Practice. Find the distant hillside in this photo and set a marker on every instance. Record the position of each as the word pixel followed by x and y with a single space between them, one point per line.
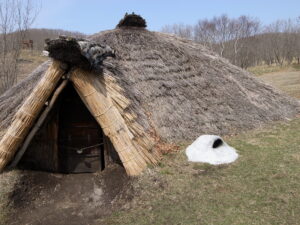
pixel 266 48
pixel 39 35
pixel 244 41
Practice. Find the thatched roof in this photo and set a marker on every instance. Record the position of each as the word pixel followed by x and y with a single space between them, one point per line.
pixel 13 98
pixel 186 90
pixel 172 89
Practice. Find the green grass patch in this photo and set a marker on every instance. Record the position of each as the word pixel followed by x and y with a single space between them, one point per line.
pixel 261 187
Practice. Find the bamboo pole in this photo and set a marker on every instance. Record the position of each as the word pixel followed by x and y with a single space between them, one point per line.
pixel 26 115
pixel 38 124
pixel 95 96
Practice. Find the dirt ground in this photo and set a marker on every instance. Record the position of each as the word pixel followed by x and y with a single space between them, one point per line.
pixel 68 199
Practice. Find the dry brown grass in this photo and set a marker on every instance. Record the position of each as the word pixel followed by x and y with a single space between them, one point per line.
pixel 287 81
pixel 265 69
pixel 30 59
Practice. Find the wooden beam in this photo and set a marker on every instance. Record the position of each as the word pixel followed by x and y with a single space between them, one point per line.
pixel 38 124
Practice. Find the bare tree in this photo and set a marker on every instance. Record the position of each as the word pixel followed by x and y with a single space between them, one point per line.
pixel 181 30
pixel 242 28
pixel 223 32
pixel 226 35
pixel 16 16
pixel 205 32
pixel 214 33
pixel 278 42
pixel 297 47
pixel 244 42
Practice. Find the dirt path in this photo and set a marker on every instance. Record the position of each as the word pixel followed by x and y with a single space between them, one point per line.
pixel 76 199
pixel 287 81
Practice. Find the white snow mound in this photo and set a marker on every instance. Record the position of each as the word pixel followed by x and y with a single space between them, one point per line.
pixel 211 149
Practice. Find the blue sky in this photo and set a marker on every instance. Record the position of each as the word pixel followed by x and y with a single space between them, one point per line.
pixel 91 16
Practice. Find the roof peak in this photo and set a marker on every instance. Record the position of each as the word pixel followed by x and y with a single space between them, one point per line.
pixel 132 20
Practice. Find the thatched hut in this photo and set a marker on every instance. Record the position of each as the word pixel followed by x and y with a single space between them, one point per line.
pixel 157 87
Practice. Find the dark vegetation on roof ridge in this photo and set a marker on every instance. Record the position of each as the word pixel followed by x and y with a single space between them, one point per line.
pixel 81 53
pixel 132 20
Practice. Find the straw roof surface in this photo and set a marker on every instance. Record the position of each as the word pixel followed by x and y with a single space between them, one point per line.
pixel 169 88
pixel 13 98
pixel 185 90
pixel 177 87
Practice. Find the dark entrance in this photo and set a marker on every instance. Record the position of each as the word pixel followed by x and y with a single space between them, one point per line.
pixel 70 140
pixel 80 138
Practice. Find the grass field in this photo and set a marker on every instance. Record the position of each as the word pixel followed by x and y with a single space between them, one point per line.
pixel 286 78
pixel 266 69
pixel 287 81
pixel 261 187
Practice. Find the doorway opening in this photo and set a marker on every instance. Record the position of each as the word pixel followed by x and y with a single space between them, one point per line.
pixel 70 140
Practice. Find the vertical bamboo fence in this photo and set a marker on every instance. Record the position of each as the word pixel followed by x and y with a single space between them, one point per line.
pixel 27 114
pixel 95 96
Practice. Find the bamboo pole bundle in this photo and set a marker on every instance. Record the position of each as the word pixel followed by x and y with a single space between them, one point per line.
pixel 27 114
pixel 141 139
pixel 94 94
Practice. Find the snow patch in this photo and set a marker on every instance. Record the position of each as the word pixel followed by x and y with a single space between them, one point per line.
pixel 211 149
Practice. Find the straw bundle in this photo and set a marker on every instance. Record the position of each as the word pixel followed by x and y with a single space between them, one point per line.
pixel 27 114
pixel 94 94
pixel 142 139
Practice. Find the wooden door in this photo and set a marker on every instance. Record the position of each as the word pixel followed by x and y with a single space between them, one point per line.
pixel 80 137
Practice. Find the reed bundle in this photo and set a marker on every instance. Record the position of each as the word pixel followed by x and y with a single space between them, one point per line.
pixel 96 97
pixel 28 113
pixel 142 139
